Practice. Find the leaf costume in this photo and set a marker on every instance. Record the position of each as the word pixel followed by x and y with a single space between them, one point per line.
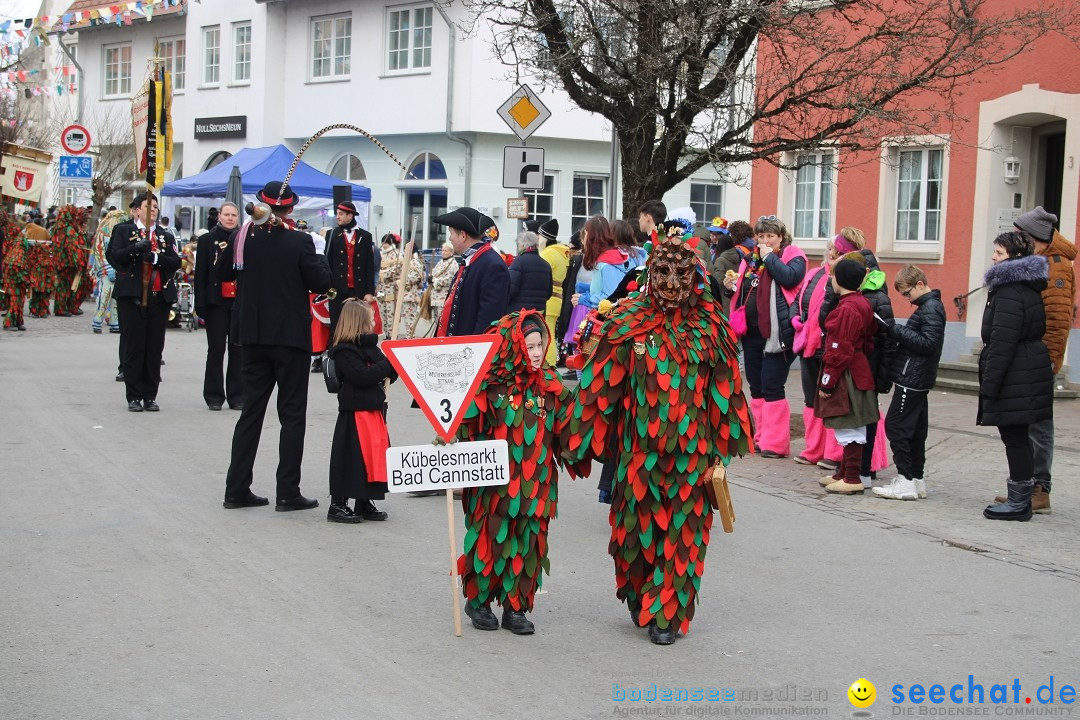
pixel 506 525
pixel 665 378
pixel 68 237
pixel 41 260
pixel 16 271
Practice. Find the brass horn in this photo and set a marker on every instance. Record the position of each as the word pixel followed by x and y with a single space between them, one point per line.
pixel 259 213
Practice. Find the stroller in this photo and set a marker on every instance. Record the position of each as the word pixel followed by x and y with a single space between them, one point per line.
pixel 182 313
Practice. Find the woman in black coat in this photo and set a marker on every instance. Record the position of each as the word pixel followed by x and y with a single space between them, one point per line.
pixel 530 276
pixel 358 470
pixel 1016 378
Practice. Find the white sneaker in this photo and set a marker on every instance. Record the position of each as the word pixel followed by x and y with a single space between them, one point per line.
pixel 920 487
pixel 901 488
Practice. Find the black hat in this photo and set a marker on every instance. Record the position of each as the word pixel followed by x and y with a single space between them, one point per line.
pixel 533 225
pixel 466 219
pixel 849 273
pixel 270 192
pixel 550 229
pixel 488 229
pixel 346 206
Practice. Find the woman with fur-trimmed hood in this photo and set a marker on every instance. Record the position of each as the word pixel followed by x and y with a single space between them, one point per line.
pixel 1016 379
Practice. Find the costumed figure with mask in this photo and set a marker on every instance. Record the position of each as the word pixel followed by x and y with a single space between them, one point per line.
pixel 665 377
pixel 520 400
pixel 69 238
pixel 16 272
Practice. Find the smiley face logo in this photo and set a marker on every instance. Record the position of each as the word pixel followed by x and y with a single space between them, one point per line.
pixel 862 693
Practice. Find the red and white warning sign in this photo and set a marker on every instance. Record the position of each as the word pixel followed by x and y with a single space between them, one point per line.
pixel 75 139
pixel 442 374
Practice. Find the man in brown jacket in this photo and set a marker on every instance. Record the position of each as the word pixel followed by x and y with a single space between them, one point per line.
pixel 1059 301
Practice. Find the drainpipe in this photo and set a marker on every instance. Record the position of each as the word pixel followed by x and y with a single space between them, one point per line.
pixel 450 107
pixel 78 68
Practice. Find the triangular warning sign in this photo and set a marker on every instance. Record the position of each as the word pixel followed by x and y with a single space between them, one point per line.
pixel 442 374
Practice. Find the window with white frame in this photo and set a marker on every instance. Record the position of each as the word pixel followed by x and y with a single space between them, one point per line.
pixel 331 47
pixel 706 200
pixel 242 52
pixel 117 73
pixel 211 55
pixel 174 53
pixel 586 200
pixel 919 191
pixel 542 202
pixel 814 199
pixel 349 168
pixel 408 38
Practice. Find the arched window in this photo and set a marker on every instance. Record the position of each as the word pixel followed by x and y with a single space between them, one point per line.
pixel 424 198
pixel 349 168
pixel 216 159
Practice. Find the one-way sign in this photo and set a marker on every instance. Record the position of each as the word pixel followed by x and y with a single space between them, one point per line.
pixel 76 171
pixel 523 167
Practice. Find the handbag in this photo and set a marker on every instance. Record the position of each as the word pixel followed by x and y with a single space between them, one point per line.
pixel 737 321
pixel 716 489
pixel 837 404
pixel 329 374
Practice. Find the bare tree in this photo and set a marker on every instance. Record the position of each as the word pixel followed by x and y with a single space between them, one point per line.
pixel 688 83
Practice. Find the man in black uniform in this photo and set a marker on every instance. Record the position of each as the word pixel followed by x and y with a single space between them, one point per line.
pixel 480 292
pixel 145 258
pixel 275 268
pixel 213 303
pixel 353 265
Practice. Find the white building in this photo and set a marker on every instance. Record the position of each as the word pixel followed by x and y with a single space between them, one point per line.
pixel 284 69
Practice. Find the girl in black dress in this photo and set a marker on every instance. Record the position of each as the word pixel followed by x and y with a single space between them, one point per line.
pixel 358 455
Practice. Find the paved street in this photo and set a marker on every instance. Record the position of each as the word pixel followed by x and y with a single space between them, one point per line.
pixel 129 592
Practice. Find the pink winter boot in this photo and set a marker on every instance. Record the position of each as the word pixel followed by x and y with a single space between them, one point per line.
pixel 814 435
pixel 757 409
pixel 776 430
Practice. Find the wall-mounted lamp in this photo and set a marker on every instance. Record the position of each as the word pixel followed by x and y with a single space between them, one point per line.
pixel 1012 170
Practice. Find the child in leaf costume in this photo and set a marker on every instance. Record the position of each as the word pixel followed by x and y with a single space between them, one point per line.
pixel 665 377
pixel 523 402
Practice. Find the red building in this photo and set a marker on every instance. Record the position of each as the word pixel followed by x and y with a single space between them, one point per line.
pixel 939 200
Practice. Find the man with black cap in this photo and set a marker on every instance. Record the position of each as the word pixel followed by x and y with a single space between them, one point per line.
pixel 275 268
pixel 145 258
pixel 354 264
pixel 481 290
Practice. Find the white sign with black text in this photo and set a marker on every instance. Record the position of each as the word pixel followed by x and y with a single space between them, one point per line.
pixel 441 467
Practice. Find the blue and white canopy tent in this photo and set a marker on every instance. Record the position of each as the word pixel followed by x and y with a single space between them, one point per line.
pixel 259 166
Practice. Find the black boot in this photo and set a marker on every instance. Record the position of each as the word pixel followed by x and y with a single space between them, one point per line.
pixel 367 510
pixel 635 611
pixel 516 622
pixel 481 616
pixel 1017 505
pixel 661 637
pixel 316 365
pixel 339 512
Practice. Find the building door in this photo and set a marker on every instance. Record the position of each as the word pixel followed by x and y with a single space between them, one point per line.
pixel 1053 165
pixel 425 198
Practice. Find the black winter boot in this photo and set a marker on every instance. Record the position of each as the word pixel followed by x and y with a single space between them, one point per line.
pixel 339 511
pixel 1017 505
pixel 516 622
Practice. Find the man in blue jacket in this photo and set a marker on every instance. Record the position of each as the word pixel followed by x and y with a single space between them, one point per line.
pixel 481 291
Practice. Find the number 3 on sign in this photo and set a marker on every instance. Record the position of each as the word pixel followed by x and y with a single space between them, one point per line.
pixel 447 415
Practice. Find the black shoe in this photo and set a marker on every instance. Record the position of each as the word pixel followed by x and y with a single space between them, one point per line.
pixel 661 637
pixel 426 493
pixel 297 503
pixel 482 617
pixel 635 612
pixel 97 331
pixel 340 513
pixel 236 406
pixel 368 511
pixel 22 327
pixel 569 375
pixel 78 311
pixel 1016 507
pixel 151 406
pixel 114 331
pixel 316 365
pixel 516 622
pixel 249 500
pixel 120 376
pixel 216 407
pixel 135 406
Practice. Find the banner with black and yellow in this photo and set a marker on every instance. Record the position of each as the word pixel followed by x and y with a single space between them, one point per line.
pixel 152 124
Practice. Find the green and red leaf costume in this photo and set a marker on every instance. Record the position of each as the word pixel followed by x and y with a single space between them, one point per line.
pixel 666 381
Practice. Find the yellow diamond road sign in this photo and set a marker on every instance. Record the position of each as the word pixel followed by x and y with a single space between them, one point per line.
pixel 524 112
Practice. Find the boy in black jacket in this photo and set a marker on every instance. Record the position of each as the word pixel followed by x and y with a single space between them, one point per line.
pixel 913 371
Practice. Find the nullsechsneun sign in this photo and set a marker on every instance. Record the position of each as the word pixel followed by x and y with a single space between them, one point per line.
pixel 215 128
